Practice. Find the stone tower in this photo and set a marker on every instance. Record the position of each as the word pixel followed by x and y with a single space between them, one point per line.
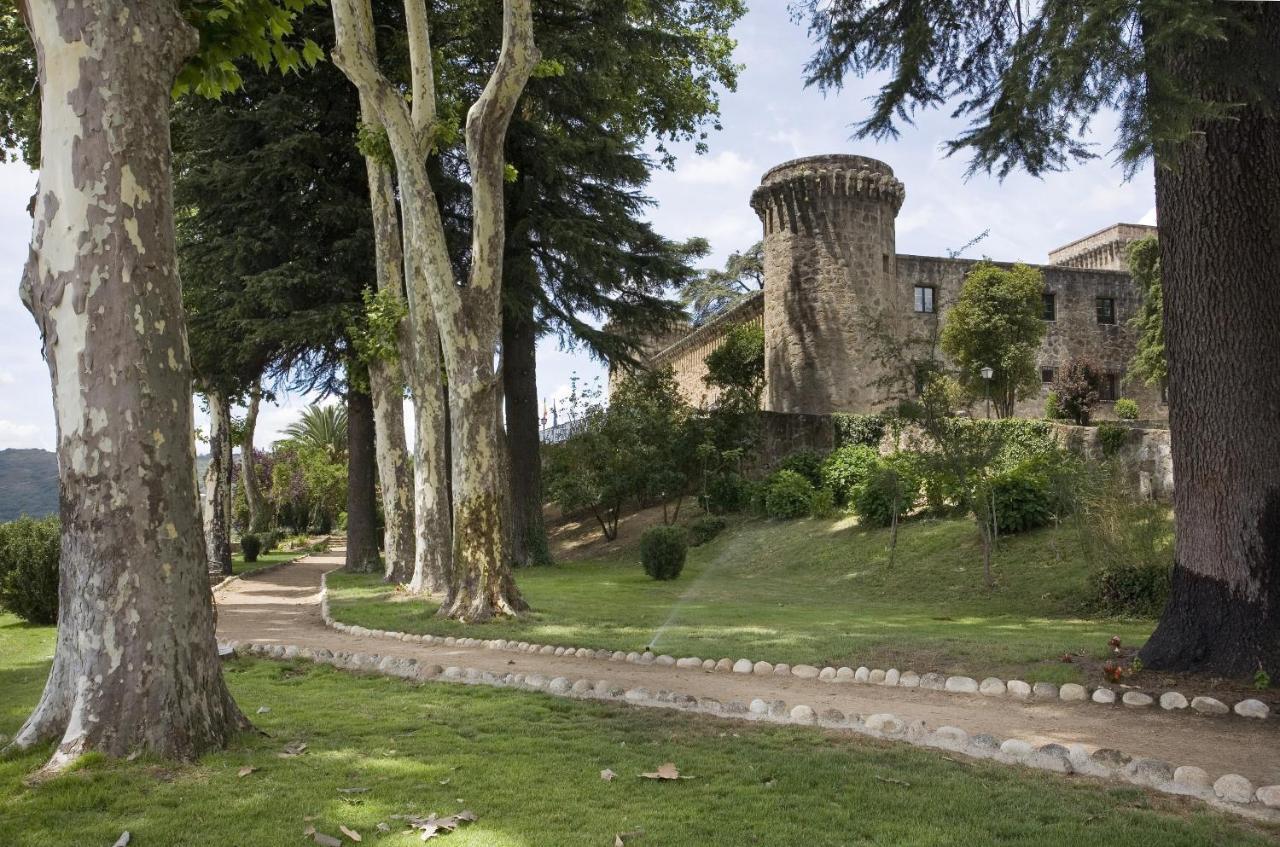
pixel 829 257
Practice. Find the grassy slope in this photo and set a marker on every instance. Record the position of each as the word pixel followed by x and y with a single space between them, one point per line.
pixel 529 766
pixel 814 591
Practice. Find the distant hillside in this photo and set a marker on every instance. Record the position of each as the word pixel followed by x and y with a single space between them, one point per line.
pixel 28 483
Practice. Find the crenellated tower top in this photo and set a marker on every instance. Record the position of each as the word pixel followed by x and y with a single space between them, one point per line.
pixel 790 191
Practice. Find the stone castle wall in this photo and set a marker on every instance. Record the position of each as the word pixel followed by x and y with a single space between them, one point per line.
pixel 835 288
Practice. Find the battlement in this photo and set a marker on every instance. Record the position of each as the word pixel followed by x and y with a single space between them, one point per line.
pixel 1105 249
pixel 787 191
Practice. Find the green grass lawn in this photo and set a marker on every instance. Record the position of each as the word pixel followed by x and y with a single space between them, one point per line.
pixel 240 566
pixel 528 765
pixel 811 591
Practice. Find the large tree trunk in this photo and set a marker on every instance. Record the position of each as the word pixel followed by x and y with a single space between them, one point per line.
pixel 468 317
pixel 258 518
pixel 520 387
pixel 386 379
pixel 362 518
pixel 136 666
pixel 1219 205
pixel 217 485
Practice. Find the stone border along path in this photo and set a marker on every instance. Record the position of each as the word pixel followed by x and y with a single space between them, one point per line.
pixel 1221 761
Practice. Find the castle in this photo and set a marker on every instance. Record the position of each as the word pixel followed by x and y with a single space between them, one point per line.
pixel 831 271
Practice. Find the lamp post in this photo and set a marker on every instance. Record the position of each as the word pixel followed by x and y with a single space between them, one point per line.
pixel 987 373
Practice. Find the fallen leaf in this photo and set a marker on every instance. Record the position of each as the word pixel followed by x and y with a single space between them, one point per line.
pixel 246 770
pixel 262 710
pixel 133 756
pixel 618 842
pixel 444 781
pixel 326 840
pixel 608 775
pixel 432 826
pixel 892 781
pixel 309 831
pixel 352 790
pixel 296 748
pixel 383 827
pixel 666 770
pixel 350 833
pixel 123 840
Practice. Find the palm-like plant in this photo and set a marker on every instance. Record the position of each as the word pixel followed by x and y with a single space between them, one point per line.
pixel 322 428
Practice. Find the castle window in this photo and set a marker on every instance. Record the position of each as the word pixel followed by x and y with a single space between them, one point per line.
pixel 924 298
pixel 1047 375
pixel 1050 307
pixel 1110 388
pixel 1106 310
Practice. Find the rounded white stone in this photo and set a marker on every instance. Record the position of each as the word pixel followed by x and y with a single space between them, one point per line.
pixel 884 722
pixel 1104 695
pixel 1072 692
pixel 1269 796
pixel 962 685
pixel 637 695
pixel 618 656
pixel 758 707
pixel 1044 691
pixel 876 677
pixel 892 676
pixel 910 679
pixel 1018 689
pixel 992 687
pixel 688 662
pixel 665 661
pixel 724 665
pixel 762 668
pixel 1192 780
pixel 1136 699
pixel 827 674
pixel 647 657
pixel 844 674
pixel 1209 706
pixel 743 666
pixel 782 669
pixel 803 714
pixel 804 671
pixel 949 737
pixel 708 664
pixel 1233 788
pixel 1252 709
pixel 862 674
pixel 1172 700
pixel 1016 748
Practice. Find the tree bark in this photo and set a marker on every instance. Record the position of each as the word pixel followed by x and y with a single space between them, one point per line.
pixel 135 666
pixel 1219 205
pixel 258 518
pixel 362 518
pixel 468 317
pixel 387 380
pixel 217 485
pixel 520 386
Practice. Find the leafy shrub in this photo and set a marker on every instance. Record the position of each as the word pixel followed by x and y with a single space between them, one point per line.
pixel 808 463
pixel 1023 498
pixel 251 545
pixel 823 504
pixel 662 551
pixel 704 529
pixel 865 430
pixel 29 552
pixel 887 490
pixel 846 468
pixel 726 493
pixel 1130 589
pixel 790 495
pixel 1052 408
pixel 1078 387
pixel 270 541
pixel 1126 409
pixel 1111 437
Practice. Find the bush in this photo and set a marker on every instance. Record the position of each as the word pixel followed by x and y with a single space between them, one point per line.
pixel 29 551
pixel 1052 408
pixel 251 546
pixel 790 495
pixel 1023 498
pixel 270 541
pixel 887 486
pixel 727 492
pixel 808 463
pixel 1126 409
pixel 1111 437
pixel 823 504
pixel 1130 589
pixel 662 551
pixel 1078 387
pixel 864 430
pixel 704 529
pixel 846 468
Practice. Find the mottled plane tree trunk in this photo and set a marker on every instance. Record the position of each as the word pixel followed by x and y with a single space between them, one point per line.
pixel 1219 205
pixel 258 517
pixel 396 474
pixel 217 485
pixel 468 316
pixel 362 537
pixel 135 665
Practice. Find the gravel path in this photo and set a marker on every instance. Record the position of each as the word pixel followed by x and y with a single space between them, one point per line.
pixel 283 607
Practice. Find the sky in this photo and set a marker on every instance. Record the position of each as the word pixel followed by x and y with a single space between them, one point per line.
pixel 771 118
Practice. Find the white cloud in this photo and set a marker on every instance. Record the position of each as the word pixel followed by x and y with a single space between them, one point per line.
pixel 19 435
pixel 727 168
pixel 6 378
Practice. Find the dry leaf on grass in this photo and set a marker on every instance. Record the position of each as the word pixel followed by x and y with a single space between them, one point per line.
pixel 350 833
pixel 666 770
pixel 620 839
pixel 309 831
pixel 326 840
pixel 123 840
pixel 383 828
pixel 296 748
pixel 357 790
pixel 608 775
pixel 262 710
pixel 246 770
pixel 432 826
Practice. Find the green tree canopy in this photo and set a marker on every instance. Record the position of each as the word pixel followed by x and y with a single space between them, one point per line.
pixel 1149 364
pixel 996 323
pixel 715 291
